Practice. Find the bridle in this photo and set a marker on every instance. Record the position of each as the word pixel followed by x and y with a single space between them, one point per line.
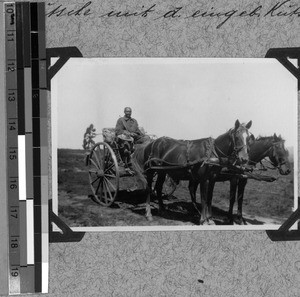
pixel 266 154
pixel 279 164
pixel 236 148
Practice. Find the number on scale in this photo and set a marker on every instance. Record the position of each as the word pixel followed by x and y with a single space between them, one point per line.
pixel 14 213
pixel 12 125
pixel 13 184
pixel 14 244
pixel 9 8
pixel 11 96
pixel 11 66
pixel 13 155
pixel 10 36
pixel 15 272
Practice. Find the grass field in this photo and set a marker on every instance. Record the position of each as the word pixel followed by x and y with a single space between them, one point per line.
pixel 263 202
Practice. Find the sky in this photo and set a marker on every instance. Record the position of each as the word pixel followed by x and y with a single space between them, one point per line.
pixel 183 98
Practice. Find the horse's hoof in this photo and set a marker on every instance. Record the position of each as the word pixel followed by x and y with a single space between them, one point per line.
pixel 240 221
pixel 204 222
pixel 149 218
pixel 244 222
pixel 210 222
pixel 207 222
pixel 228 221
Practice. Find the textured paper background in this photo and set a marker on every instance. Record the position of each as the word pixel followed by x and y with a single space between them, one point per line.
pixel 171 263
pixel 178 36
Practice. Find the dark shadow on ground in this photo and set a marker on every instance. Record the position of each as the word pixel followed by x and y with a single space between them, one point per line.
pixel 175 209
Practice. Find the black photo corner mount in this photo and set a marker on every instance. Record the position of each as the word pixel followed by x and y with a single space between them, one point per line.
pixel 283 55
pixel 67 235
pixel 63 54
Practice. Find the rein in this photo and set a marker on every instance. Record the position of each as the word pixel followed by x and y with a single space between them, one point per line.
pixel 169 163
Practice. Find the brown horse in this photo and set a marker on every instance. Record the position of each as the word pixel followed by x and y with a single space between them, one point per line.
pixel 197 161
pixel 259 149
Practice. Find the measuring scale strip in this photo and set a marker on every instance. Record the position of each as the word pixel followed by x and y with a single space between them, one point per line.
pixel 44 152
pixel 27 175
pixel 12 148
pixel 25 138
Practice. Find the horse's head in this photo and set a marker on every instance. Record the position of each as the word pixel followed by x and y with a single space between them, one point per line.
pixel 233 144
pixel 240 141
pixel 279 155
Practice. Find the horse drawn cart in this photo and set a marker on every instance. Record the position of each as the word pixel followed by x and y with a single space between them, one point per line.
pixel 203 161
pixel 106 170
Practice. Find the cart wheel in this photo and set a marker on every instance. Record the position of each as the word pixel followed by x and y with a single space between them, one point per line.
pixel 169 186
pixel 103 174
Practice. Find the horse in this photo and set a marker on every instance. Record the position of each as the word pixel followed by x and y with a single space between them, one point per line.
pixel 195 160
pixel 259 149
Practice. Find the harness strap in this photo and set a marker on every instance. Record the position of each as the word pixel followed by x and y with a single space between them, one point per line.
pixel 235 151
pixel 125 124
pixel 170 163
pixel 225 155
pixel 274 166
pixel 210 153
pixel 266 152
pixel 212 148
pixel 189 164
pixel 188 149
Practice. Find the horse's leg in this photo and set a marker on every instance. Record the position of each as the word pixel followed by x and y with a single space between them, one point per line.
pixel 193 185
pixel 148 207
pixel 158 186
pixel 233 188
pixel 144 183
pixel 203 191
pixel 149 179
pixel 210 191
pixel 148 191
pixel 241 188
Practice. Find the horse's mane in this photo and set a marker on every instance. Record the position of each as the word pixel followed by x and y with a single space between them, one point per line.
pixel 270 138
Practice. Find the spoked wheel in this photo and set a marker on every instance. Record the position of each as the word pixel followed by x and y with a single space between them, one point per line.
pixel 169 185
pixel 103 174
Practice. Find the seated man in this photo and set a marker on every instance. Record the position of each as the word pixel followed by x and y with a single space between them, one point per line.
pixel 128 133
pixel 128 127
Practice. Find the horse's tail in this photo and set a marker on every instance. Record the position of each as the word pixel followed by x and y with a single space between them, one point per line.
pixel 139 174
pixel 138 162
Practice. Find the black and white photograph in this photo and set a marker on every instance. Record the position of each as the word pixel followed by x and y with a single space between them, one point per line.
pixel 174 144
